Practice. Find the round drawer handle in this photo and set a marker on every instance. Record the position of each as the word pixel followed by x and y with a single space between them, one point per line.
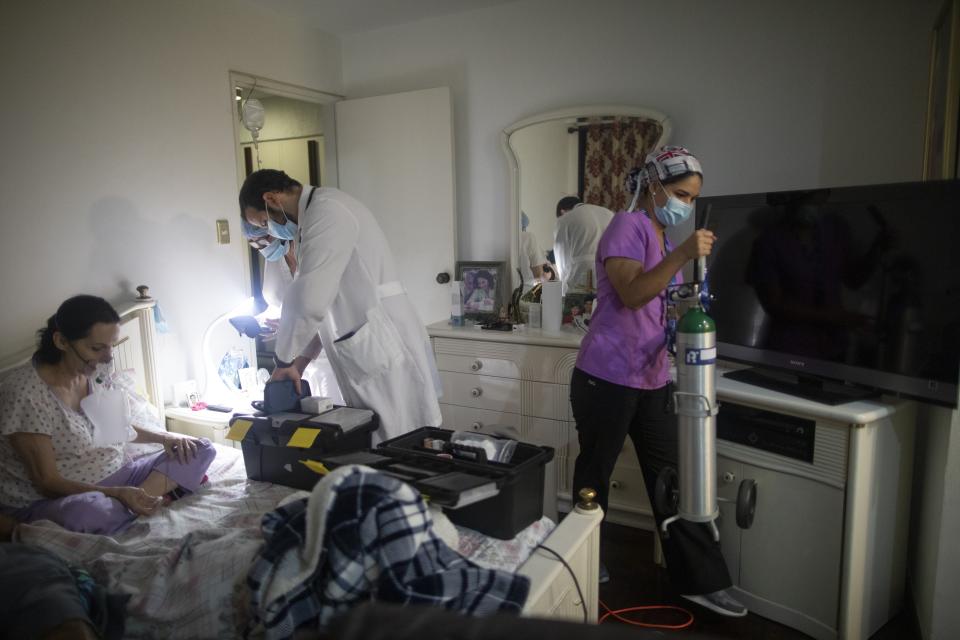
pixel 476 426
pixel 476 392
pixel 729 477
pixel 615 484
pixel 477 365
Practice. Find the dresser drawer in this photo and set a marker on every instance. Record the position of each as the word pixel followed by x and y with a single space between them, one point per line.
pixel 552 433
pixel 481 392
pixel 627 490
pixel 508 360
pixel 460 418
pixel 545 400
pixel 478 364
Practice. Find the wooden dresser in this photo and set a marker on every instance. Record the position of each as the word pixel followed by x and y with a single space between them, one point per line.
pixel 518 383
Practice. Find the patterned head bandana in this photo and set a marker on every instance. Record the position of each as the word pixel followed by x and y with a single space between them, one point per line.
pixel 666 163
pixel 661 164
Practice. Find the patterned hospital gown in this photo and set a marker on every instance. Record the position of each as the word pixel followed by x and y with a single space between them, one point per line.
pixel 28 405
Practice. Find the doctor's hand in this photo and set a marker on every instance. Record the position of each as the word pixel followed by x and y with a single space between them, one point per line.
pixel 180 448
pixel 136 499
pixel 288 373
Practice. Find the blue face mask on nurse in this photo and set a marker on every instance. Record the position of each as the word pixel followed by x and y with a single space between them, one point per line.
pixel 674 212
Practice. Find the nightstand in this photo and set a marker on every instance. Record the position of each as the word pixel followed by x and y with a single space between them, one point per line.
pixel 212 425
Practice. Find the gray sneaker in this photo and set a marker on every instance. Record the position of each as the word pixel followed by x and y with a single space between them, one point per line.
pixel 720 602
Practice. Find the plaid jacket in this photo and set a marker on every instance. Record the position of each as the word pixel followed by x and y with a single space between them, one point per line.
pixel 363 536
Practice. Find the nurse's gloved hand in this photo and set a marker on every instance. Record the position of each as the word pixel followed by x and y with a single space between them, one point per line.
pixel 288 373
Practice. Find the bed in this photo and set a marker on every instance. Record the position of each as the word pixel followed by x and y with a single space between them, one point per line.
pixel 185 566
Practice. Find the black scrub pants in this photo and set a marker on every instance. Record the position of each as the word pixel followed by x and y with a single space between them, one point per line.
pixel 606 414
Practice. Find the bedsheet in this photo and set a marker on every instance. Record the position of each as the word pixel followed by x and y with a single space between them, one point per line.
pixel 185 567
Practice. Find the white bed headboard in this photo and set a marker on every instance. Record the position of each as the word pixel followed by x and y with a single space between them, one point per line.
pixel 136 350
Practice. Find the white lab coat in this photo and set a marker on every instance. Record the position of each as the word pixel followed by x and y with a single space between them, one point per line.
pixel 575 246
pixel 346 288
pixel 276 280
pixel 319 374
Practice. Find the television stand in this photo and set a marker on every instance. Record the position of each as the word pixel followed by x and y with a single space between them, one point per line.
pixel 808 387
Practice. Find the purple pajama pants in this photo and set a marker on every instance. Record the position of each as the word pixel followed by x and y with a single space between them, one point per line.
pixel 93 512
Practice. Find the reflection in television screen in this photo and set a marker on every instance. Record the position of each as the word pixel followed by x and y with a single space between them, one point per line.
pixel 855 284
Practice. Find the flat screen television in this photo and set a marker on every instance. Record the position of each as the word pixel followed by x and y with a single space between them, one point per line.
pixel 829 292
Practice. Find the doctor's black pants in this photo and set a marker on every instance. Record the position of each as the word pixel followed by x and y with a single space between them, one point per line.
pixel 606 413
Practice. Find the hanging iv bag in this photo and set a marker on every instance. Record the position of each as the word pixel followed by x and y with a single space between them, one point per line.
pixel 252 116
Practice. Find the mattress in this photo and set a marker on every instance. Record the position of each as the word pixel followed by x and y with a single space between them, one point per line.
pixel 184 567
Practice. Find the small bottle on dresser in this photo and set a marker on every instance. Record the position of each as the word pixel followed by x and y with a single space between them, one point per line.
pixel 456 303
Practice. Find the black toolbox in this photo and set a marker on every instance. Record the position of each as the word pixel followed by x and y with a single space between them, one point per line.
pixel 275 445
pixel 496 499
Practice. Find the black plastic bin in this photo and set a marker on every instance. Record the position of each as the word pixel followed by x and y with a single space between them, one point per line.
pixel 519 483
pixel 268 456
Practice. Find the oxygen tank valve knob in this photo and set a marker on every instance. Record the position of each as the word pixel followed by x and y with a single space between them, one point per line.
pixel 587 497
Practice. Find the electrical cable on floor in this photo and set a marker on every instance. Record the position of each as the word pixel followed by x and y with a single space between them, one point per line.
pixel 617 613
pixel 576 583
pixel 653 607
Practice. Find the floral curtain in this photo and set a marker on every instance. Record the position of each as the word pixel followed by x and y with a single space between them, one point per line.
pixel 609 149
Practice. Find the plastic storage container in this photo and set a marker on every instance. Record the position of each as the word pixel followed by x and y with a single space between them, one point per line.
pixel 274 445
pixel 496 499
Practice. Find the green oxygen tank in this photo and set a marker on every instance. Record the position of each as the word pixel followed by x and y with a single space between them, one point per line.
pixel 696 406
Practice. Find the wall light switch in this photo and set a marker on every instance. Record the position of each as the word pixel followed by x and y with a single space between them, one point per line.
pixel 223 232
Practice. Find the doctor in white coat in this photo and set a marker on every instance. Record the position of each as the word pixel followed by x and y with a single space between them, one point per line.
pixel 345 298
pixel 279 268
pixel 579 228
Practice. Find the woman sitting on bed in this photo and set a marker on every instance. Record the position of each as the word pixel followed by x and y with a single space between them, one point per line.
pixel 65 418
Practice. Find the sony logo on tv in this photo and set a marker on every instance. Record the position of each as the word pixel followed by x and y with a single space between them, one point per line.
pixel 798 363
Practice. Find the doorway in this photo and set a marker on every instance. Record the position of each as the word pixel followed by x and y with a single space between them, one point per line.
pixel 297 137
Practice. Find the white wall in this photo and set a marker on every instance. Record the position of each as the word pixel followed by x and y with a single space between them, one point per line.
pixel 119 153
pixel 934 552
pixel 769 95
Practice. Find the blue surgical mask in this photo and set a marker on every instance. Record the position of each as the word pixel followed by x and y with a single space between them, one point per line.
pixel 674 212
pixel 275 250
pixel 286 231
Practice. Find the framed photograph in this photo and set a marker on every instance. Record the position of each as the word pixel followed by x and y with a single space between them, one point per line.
pixel 485 289
pixel 578 305
pixel 943 101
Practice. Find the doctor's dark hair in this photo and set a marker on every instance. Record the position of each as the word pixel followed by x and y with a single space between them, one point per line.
pixel 567 203
pixel 260 182
pixel 74 319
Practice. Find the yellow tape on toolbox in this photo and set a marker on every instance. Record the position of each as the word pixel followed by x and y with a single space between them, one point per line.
pixel 303 438
pixel 238 430
pixel 313 465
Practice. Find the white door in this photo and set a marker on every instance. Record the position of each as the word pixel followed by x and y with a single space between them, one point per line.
pixel 291 156
pixel 395 155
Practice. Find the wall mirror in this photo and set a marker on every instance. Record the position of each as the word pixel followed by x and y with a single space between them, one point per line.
pixel 582 151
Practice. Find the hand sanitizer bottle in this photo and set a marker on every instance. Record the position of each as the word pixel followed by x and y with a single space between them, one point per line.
pixel 456 303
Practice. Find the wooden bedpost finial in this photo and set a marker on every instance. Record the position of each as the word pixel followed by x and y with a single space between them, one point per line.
pixel 144 292
pixel 587 497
